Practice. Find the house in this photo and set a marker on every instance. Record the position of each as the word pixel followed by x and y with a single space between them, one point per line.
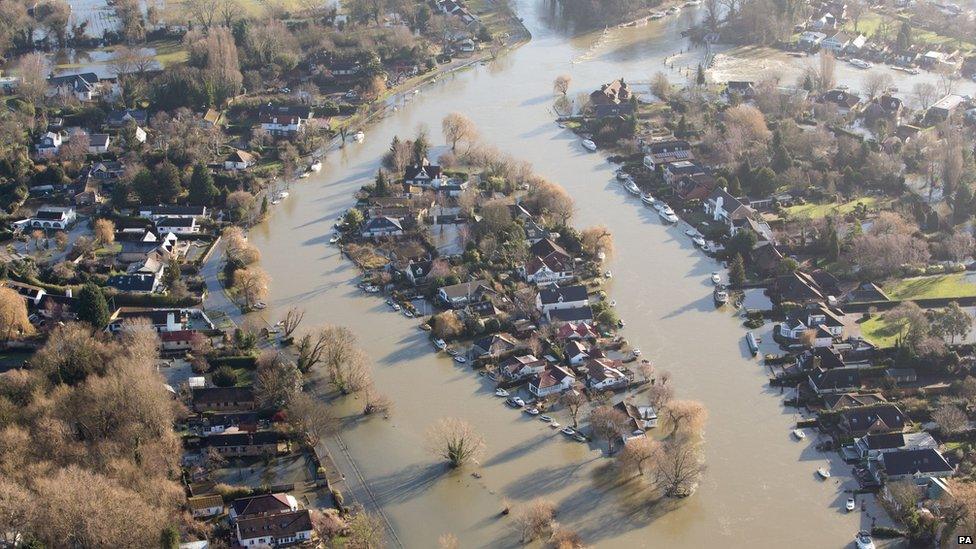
pixel 106 170
pixel 837 380
pixel 836 43
pixel 135 283
pixel 672 172
pixel 222 399
pixel 579 330
pixel 566 297
pixel 534 232
pixel 382 226
pixel 179 340
pixel 758 227
pixel 766 257
pixel 98 143
pixel 518 367
pixel 575 352
pixel 641 418
pixel 802 287
pixel 603 373
pixel 886 107
pixel 494 345
pixel 168 210
pixel 458 295
pixel 810 40
pixel 843 99
pixel 48 145
pixel 33 295
pixel 162 320
pixel 239 160
pixel 281 120
pixel 261 443
pixel 177 225
pixel 119 118
pixel 901 375
pixel 658 153
pixel 743 89
pixel 211 118
pixel 205 506
pixel 416 271
pixel 613 99
pixel 873 445
pixel 942 109
pixel 582 314
pixel 914 464
pixel 137 251
pixel 724 207
pixel 863 420
pixel 53 217
pixel 819 358
pixel 552 381
pixel 548 263
pixel 345 67
pixel 827 321
pixel 275 530
pixel 84 87
pixel 423 175
pixel 262 505
pixel 852 400
pixel 867 292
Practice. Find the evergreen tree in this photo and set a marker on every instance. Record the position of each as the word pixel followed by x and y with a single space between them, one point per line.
pixel 808 83
pixel 764 182
pixel 92 307
pixel 682 129
pixel 420 147
pixel 781 158
pixel 264 205
pixel 382 188
pixel 168 182
pixel 201 190
pixel 700 77
pixel 735 188
pixel 962 204
pixel 145 186
pixel 169 538
pixel 737 271
pixel 904 39
pixel 831 243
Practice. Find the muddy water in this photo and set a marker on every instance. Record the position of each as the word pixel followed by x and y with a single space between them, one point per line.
pixel 760 489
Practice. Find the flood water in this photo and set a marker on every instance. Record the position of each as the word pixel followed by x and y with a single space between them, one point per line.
pixel 760 489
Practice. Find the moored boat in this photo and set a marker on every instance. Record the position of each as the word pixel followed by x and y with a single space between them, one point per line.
pixel 588 145
pixel 359 136
pixel 720 295
pixel 716 278
pixel 501 393
pixel 824 473
pixel 668 216
pixel 753 344
pixel 799 434
pixel 632 188
pixel 647 199
pixel 316 166
pixel 863 540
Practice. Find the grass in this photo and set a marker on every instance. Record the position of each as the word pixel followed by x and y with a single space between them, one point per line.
pixel 168 53
pixel 815 211
pixel 879 331
pixel 175 12
pixel 938 286
pixel 869 23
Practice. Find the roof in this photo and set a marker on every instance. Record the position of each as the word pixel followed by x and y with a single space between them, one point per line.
pixel 729 202
pixel 573 314
pixel 119 117
pixel 841 97
pixel 169 209
pixel 882 417
pixel 199 503
pixel 496 343
pixel 132 282
pixel 259 438
pixel 550 377
pixel 463 289
pixel 823 358
pixel 615 92
pixel 240 156
pixel 910 462
pixel 884 441
pixel 175 222
pixel 601 369
pixel 668 146
pixel 98 140
pixel 848 377
pixel 277 526
pixel 261 505
pixel 547 246
pixel 177 335
pixel 208 395
pixel 868 291
pixel 566 294
pixel 284 113
pixel 851 400
pixel 422 171
pixel 383 223
pixel 948 102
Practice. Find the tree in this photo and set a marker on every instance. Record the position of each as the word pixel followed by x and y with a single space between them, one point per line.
pixel 561 84
pixel 381 187
pixel 240 204
pixel 238 250
pixel 700 76
pixel 421 145
pixel 574 401
pixel 679 467
pixel 347 371
pixel 737 271
pixel 457 127
pixel 904 39
pixel 535 518
pixel 33 69
pixel 291 322
pixel 17 510
pixel 104 232
pixel 168 182
pixel 913 324
pixel 638 453
pixel 353 218
pixel 609 424
pixel 950 419
pixel 825 76
pixel 14 322
pixel 455 441
pixel 92 307
pixel 596 239
pixel 952 321
pixel 552 200
pixel 925 94
pixel 366 531
pixel 686 417
pixel 311 416
pixel 876 83
pixel 169 538
pixel 201 189
pixel 276 380
pixel 661 86
pixel 252 285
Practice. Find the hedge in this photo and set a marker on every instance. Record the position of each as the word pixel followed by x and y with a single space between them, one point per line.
pixel 239 361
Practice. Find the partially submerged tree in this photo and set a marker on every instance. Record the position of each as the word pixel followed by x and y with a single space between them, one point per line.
pixel 457 127
pixel 455 441
pixel 609 424
pixel 535 519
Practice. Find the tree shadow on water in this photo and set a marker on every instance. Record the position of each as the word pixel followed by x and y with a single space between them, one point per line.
pixel 409 482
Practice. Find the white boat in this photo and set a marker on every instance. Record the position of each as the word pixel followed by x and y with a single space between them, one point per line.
pixel 669 217
pixel 316 166
pixel 699 241
pixel 716 278
pixel 546 419
pixel 518 402
pixel 721 296
pixel 863 540
pixel 608 274
pixel 632 188
pixel 260 305
pixel 657 15
pixel 613 303
pixel 658 205
pixel 637 352
pixel 691 232
pixel 824 473
pixel 666 210
pixel 359 136
pixel 860 63
pixel 460 359
pixel 275 202
pixel 396 307
pixel 588 145
pixel 333 240
pixel 283 195
pixel 440 344
pixel 799 434
pixel 304 175
pixel 622 175
pixel 553 424
pixel 501 393
pixel 850 505
pixel 532 411
pixel 647 199
pixel 674 9
pixel 601 255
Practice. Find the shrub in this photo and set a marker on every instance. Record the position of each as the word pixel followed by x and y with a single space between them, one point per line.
pixel 935 269
pixel 886 532
pixel 225 376
pixel 337 497
pixel 230 492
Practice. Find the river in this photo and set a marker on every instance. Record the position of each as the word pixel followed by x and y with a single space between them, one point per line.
pixel 760 489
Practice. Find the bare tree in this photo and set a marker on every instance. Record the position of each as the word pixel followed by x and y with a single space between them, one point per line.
pixel 687 417
pixel 609 424
pixel 252 284
pixel 14 322
pixel 276 380
pixel 366 531
pixel 311 416
pixel 924 93
pixel 564 538
pixel 574 401
pixel 596 239
pixel 33 69
pixel 825 75
pixel 457 127
pixel 951 419
pixel 875 83
pixel 448 540
pixel 561 84
pixel 104 232
pixel 679 467
pixel 348 374
pixel 535 518
pixel 17 512
pixel 238 249
pixel 638 452
pixel 293 319
pixel 455 441
pixel 551 200
pixel 376 402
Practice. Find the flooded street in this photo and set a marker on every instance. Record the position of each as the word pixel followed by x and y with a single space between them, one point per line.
pixel 760 489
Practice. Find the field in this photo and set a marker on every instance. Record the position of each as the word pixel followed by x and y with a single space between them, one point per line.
pixel 878 331
pixel 939 286
pixel 868 25
pixel 176 11
pixel 815 211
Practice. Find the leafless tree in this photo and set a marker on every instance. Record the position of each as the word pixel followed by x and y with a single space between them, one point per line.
pixel 535 518
pixel 457 127
pixel 951 419
pixel 680 466
pixel 33 69
pixel 609 424
pixel 14 322
pixel 825 75
pixel 276 379
pixel 875 83
pixel 574 401
pixel 455 441
pixel 638 453
pixel 561 84
pixel 104 232
pixel 924 93
pixel 311 416
pixel 596 239
pixel 252 284
pixel 686 417
pixel 366 531
pixel 17 510
pixel 291 322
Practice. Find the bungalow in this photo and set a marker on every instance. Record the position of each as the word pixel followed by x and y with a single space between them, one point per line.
pixel 724 207
pixel 53 217
pixel 843 99
pixel 33 295
pixel 672 172
pixel 119 118
pixel 658 153
pixel 810 40
pixel 553 380
pixel 222 399
pixel 261 443
pixel 518 367
pixel 177 225
pixel 84 87
pixel 836 43
pixel 459 295
pixel 494 345
pixel 802 287
pixel 382 226
pixel 98 143
pixel 874 445
pixel 826 320
pixel 48 145
pixel 567 331
pixel 852 400
pixel 555 297
pixel 582 314
pixel 913 464
pixel 134 251
pixel 281 120
pixel 603 373
pixel 575 352
pixel 640 418
pixel 239 160
pixel 179 340
pixel 205 506
pixel 275 530
pixel 742 88
pixel 262 505
pixel 837 380
pixel 942 109
pixel 423 175
pixel 106 170
pixel 135 283
pixel 882 418
pixel 218 422
pixel 548 263
pixel 162 320
pixel 613 99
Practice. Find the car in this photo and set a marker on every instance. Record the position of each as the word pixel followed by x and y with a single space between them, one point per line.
pixel 851 504
pixel 531 411
pixel 568 431
pixel 460 359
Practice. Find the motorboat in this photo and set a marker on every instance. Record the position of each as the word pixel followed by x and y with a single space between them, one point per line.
pixel 673 10
pixel 546 419
pixel 260 305
pixel 501 393
pixel 863 540
pixel 283 195
pixel 860 63
pixel 531 411
pixel 518 402
pixel 613 303
pixel 460 359
pixel 699 241
pixel 452 351
pixel 754 349
pixel 608 274
pixel 396 306
pixel 407 313
pixel 716 278
pixel 554 425
pixel 637 351
pixel 824 473
pixel 667 210
pixel 647 199
pixel 691 232
pixel 588 145
pixel 632 188
pixel 359 136
pixel 601 255
pixel 621 323
pixel 799 434
pixel 561 125
pixel 850 505
pixel 316 166
pixel 440 344
pixel 579 438
pixel 622 175
pixel 657 15
pixel 721 296
pixel 669 217
pixel 275 202
pixel 568 431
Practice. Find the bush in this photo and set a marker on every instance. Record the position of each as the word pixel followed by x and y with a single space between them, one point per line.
pixel 886 532
pixel 935 269
pixel 230 492
pixel 912 270
pixel 225 376
pixel 240 361
pixel 337 496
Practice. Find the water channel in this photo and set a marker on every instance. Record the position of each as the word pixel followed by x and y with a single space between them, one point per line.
pixel 761 488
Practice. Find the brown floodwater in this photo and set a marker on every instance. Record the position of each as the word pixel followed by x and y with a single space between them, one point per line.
pixel 760 489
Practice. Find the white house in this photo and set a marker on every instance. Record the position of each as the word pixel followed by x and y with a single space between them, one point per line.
pixel 167 210
pixel 239 160
pixel 872 446
pixel 726 208
pixel 205 506
pixel 518 367
pixel 837 42
pixel 284 121
pixel 553 380
pixel 98 143
pixel 811 40
pixel 177 225
pixel 382 226
pixel 603 373
pixel 274 530
pixel 53 217
pixel 84 87
pixel 423 175
pixel 48 145
pixel 568 297
pixel 459 295
pixel 820 318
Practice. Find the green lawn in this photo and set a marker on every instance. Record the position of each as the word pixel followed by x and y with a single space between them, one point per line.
pixel 878 331
pixel 814 211
pixel 948 285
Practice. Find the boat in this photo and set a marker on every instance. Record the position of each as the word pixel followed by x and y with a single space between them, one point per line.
pixel 621 323
pixel 622 175
pixel 669 217
pixel 699 241
pixel 647 199
pixel 613 303
pixel 304 175
pixel 561 125
pixel 637 351
pixel 554 425
pixel 275 202
pixel 260 305
pixel 850 505
pixel 666 210
pixel 579 438
pixel 657 15
pixel 608 274
pixel 673 10
pixel 440 344
pixel 359 136
pixel 501 393
pixel 632 188
pixel 588 145
pixel 396 307
pixel 720 295
pixel 799 434
pixel 863 540
pixel 691 232
pixel 860 63
pixel 753 345
pixel 547 419
pixel 316 166
pixel 451 351
pixel 283 195
pixel 568 431
pixel 531 411
pixel 716 278
pixel 460 359
pixel 824 473
pixel 407 313
pixel 518 402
